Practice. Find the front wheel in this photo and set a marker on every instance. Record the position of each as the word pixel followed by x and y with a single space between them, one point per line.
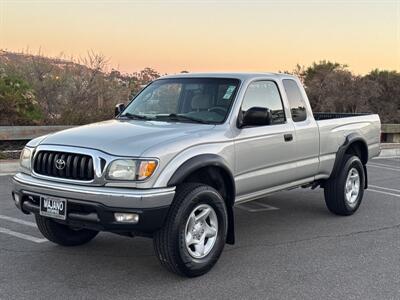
pixel 344 192
pixel 194 235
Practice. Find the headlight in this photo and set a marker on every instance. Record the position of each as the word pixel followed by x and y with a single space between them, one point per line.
pixel 129 169
pixel 25 159
pixel 122 169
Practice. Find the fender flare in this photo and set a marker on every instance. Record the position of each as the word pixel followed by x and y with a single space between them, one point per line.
pixel 198 162
pixel 210 160
pixel 350 139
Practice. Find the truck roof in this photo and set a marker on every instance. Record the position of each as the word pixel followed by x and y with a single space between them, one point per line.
pixel 238 75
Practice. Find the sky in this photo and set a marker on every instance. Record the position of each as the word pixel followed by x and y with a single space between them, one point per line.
pixel 200 36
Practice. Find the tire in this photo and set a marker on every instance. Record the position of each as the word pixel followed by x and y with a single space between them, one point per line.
pixel 342 199
pixel 170 243
pixel 62 234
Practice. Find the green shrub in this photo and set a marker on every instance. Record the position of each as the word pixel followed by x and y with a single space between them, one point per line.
pixel 17 102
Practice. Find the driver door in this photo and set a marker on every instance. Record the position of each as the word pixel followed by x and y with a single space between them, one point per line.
pixel 264 153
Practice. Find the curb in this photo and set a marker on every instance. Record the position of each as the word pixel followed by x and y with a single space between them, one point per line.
pixel 9 167
pixel 390 152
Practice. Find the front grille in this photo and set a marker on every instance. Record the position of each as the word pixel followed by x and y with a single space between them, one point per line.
pixel 64 165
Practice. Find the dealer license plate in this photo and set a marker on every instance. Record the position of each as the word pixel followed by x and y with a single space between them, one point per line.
pixel 53 207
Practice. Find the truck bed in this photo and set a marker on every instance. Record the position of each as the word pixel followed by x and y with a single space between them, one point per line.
pixel 333 129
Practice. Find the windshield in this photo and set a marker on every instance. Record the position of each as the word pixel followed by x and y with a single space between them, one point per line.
pixel 199 100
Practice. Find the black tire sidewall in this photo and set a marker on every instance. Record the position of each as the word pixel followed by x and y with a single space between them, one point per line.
pixel 201 196
pixel 62 234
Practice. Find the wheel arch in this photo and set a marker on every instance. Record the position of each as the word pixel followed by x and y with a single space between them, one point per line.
pixel 354 144
pixel 213 170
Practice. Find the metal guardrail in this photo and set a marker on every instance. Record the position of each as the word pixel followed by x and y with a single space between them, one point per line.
pixel 390 133
pixel 390 128
pixel 18 133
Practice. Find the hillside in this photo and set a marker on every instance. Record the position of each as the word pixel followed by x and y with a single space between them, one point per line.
pixel 35 89
pixel 39 90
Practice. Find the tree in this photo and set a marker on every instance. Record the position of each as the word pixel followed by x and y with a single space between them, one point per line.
pixel 140 79
pixel 332 88
pixel 387 103
pixel 93 93
pixel 17 102
pixel 318 82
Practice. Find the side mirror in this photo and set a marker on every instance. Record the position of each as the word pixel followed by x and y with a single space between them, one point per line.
pixel 118 109
pixel 256 116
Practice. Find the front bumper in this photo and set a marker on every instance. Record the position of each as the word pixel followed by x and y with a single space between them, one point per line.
pixel 93 207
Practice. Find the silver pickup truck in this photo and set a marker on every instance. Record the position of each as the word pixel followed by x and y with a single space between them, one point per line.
pixel 175 161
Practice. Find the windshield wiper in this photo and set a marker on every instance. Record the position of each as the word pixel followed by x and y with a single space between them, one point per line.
pixel 176 117
pixel 136 117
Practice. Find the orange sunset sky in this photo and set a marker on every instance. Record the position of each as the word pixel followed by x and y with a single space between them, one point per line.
pixel 171 36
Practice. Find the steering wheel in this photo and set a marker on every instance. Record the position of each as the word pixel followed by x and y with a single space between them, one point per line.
pixel 219 110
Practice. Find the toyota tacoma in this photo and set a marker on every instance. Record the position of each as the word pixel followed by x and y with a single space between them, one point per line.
pixel 176 160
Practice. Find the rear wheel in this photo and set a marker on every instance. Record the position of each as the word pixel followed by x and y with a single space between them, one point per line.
pixel 63 234
pixel 344 192
pixel 194 235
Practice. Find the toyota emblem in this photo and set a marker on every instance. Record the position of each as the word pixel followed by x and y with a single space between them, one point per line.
pixel 60 164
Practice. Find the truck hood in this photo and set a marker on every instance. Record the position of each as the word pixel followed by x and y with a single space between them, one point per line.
pixel 125 137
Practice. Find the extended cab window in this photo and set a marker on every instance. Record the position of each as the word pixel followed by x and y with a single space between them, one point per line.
pixel 296 101
pixel 264 94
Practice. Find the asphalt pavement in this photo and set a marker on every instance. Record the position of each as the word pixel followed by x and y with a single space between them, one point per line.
pixel 288 247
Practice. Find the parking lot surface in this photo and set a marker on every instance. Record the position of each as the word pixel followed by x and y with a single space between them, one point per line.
pixel 288 247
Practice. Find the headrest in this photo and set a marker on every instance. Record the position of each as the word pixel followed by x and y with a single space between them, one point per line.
pixel 201 101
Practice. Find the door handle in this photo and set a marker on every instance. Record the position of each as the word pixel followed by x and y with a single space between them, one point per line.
pixel 288 137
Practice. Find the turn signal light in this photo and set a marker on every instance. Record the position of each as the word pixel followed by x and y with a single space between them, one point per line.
pixel 146 169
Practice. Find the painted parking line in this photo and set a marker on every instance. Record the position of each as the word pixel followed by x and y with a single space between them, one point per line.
pixel 255 206
pixel 19 221
pixel 381 167
pixel 382 192
pixel 387 166
pixel 383 188
pixel 22 235
pixel 387 157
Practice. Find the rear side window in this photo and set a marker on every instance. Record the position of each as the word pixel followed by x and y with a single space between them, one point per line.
pixel 264 94
pixel 296 101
